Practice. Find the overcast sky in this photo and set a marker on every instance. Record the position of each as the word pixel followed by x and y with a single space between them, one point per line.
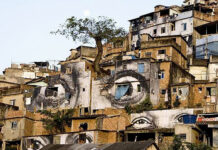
pixel 25 25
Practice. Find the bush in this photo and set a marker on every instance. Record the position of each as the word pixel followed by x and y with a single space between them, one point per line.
pixel 139 108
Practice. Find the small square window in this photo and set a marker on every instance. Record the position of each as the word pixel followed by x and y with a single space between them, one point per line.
pixel 148 54
pixel 184 26
pixel 94 111
pixel 174 90
pixel 200 90
pixel 163 51
pixel 84 89
pixel 141 67
pixel 13 125
pixel 86 110
pixel 139 88
pixel 12 102
pixel 155 31
pixel 124 67
pixel 161 75
pixel 163 30
pixel 163 91
pixel 182 136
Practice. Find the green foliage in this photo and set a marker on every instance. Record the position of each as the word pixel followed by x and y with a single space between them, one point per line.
pixel 160 107
pixel 90 28
pixel 56 122
pixel 145 105
pixel 99 30
pixel 179 145
pixel 191 146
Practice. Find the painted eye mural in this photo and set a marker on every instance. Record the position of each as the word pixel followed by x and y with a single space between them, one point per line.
pixel 125 87
pixel 79 138
pixel 37 143
pixel 142 123
pixel 179 118
pixel 62 90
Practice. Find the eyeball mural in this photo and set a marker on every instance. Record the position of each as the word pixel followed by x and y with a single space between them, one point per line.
pixel 142 123
pixel 36 143
pixel 79 138
pixel 62 90
pixel 125 87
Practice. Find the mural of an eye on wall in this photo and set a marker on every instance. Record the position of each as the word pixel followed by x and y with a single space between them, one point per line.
pixel 125 87
pixel 179 118
pixel 77 138
pixel 62 90
pixel 142 123
pixel 36 143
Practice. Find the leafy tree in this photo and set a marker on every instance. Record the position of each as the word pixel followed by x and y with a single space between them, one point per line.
pixel 179 145
pixel 57 121
pixel 145 105
pixel 100 30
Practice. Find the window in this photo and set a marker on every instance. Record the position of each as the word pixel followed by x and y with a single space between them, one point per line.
pixel 51 91
pixel 155 31
pixel 112 72
pixel 12 102
pixel 174 90
pixel 94 111
pixel 148 54
pixel 82 138
pixel 163 91
pixel 28 100
pixel 83 126
pixel 161 75
pixel 200 90
pixel 182 136
pixel 184 26
pixel 86 110
pixel 163 30
pixel 68 70
pixel 124 67
pixel 84 89
pixel 141 68
pixel 172 27
pixel 163 51
pixel 13 125
pixel 139 88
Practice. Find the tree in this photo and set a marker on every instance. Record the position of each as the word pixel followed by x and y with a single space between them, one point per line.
pixel 145 105
pixel 100 30
pixel 57 121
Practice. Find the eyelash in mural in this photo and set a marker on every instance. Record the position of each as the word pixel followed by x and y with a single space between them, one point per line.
pixel 126 84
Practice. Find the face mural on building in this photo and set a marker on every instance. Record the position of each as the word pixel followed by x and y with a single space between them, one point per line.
pixel 125 87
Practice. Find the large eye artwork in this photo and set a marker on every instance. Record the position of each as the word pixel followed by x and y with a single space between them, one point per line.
pixel 61 90
pixel 125 87
pixel 142 122
pixel 77 138
pixel 179 118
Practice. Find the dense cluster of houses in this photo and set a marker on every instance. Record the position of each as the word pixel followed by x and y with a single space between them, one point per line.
pixel 170 58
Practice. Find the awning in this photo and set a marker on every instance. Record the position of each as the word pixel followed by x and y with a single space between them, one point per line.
pixel 121 91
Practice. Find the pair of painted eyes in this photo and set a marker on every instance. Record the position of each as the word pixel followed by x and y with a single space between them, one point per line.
pixel 141 121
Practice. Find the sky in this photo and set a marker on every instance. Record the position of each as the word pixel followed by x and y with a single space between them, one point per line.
pixel 25 25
